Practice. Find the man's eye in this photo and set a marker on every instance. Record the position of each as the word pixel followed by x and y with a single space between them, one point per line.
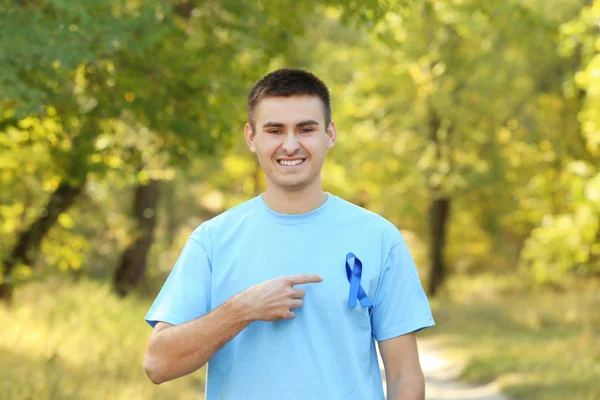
pixel 307 130
pixel 275 131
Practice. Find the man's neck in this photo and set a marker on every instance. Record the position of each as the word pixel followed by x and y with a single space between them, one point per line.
pixel 295 202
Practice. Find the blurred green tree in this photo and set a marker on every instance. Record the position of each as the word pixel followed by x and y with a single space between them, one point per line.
pixel 124 82
pixel 448 103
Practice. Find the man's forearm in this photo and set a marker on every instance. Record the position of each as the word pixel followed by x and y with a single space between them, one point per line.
pixel 407 388
pixel 180 350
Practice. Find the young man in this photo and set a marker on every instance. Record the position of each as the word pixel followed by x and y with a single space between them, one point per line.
pixel 285 295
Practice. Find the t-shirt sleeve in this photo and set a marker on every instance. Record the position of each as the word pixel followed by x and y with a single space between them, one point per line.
pixel 400 305
pixel 187 291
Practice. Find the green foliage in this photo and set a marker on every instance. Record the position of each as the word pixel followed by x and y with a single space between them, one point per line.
pixel 137 89
pixel 80 341
pixel 568 238
pixel 567 242
pixel 581 39
pixel 39 65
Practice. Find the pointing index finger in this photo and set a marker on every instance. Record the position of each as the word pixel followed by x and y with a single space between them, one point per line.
pixel 304 278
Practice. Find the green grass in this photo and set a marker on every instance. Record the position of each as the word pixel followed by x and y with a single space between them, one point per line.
pixel 62 340
pixel 537 344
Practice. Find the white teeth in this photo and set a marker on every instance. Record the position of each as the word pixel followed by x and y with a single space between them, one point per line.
pixel 290 163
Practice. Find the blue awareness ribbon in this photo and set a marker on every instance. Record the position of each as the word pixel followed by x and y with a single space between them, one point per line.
pixel 356 290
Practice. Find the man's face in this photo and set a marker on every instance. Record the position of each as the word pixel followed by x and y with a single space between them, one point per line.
pixel 290 140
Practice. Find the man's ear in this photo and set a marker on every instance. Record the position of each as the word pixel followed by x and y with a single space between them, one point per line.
pixel 249 135
pixel 331 135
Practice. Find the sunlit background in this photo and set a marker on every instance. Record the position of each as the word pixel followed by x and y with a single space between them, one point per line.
pixel 472 125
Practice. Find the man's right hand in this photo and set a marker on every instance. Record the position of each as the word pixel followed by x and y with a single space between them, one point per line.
pixel 273 300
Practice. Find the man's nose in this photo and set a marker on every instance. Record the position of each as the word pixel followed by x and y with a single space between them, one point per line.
pixel 290 143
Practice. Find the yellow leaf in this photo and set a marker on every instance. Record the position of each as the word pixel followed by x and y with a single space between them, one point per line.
pixel 545 145
pixel 143 177
pixel 66 221
pixel 113 161
pixel 503 135
pixel 75 264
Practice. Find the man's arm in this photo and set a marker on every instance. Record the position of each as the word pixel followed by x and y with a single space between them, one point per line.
pixel 403 374
pixel 177 350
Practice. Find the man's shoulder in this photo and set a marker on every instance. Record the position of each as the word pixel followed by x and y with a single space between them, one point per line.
pixel 364 217
pixel 226 219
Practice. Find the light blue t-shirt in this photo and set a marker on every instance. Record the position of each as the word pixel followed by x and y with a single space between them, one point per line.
pixel 327 352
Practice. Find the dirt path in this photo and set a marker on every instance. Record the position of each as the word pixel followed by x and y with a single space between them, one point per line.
pixel 441 378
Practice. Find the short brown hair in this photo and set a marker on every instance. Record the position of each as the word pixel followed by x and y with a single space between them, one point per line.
pixel 289 82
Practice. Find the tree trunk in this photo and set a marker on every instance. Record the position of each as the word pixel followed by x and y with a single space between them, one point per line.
pixel 438 211
pixel 438 222
pixel 594 260
pixel 28 242
pixel 169 190
pixel 133 265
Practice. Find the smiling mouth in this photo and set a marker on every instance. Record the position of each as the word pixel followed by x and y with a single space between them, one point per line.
pixel 291 163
